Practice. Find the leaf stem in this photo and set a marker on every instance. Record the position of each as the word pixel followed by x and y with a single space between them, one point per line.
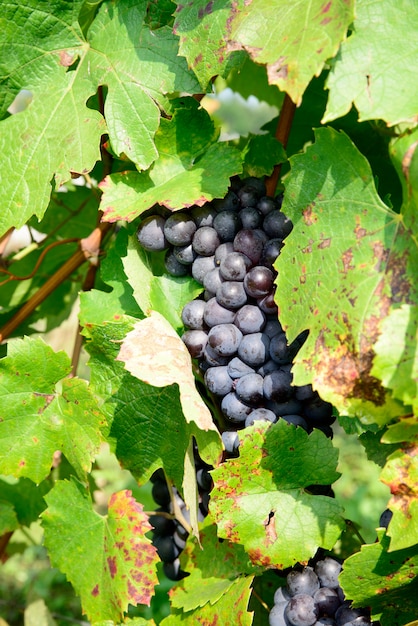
pixel 88 250
pixel 284 125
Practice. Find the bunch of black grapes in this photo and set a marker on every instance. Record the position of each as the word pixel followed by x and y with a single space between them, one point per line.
pixel 229 246
pixel 169 536
pixel 312 596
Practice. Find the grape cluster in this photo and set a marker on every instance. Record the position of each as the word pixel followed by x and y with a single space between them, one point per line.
pixel 229 246
pixel 313 597
pixel 169 536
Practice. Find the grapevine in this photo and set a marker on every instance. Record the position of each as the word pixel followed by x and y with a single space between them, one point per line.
pixel 211 207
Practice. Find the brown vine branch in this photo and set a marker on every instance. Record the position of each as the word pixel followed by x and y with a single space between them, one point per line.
pixel 284 125
pixel 12 276
pixel 89 249
pixel 4 540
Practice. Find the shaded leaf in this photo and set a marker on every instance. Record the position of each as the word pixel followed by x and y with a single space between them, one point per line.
pixel 384 581
pixel 378 57
pixel 355 259
pixel 8 518
pixel 120 567
pixel 260 501
pixel 262 153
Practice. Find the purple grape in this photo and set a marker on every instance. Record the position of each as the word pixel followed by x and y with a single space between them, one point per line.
pixel 218 381
pixel 231 294
pixel 234 266
pixel 301 610
pixel 192 314
pixel 249 389
pixel 250 319
pixel 259 281
pixel 254 349
pixel 224 339
pixel 195 341
pixel 216 314
pixel 234 409
pixel 179 229
pixel 305 581
pixel 250 243
pixel 150 234
pixel 205 241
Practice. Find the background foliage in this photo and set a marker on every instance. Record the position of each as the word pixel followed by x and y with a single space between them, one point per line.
pixel 109 109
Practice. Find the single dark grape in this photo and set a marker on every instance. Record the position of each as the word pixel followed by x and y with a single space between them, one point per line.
pixel 305 581
pixel 224 339
pixel 184 254
pixel 237 368
pixel 173 265
pixel 192 314
pixel 234 409
pixel 231 294
pixel 223 250
pixel 249 389
pixel 272 327
pixel 296 420
pixel 212 280
pixel 166 548
pixel 201 266
pixel 205 241
pixel 235 266
pixel 267 304
pixel 161 524
pixel 195 341
pixel 227 224
pixel 259 281
pixel 301 610
pixel 214 358
pixel 231 441
pixel 216 314
pixel 276 615
pixel 250 319
pixel 204 479
pixel 328 571
pixel 279 350
pixel 179 229
pixel 150 234
pixel 277 225
pixel 277 385
pixel 270 252
pixel 254 349
pixel 203 215
pixel 318 411
pixel 249 242
pixel 327 601
pixel 346 614
pixel 250 217
pixel 266 204
pixel 218 381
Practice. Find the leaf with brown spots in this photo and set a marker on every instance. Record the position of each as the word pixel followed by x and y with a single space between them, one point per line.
pixel 260 499
pixel 108 560
pixel 201 26
pixel 384 581
pixel 401 475
pixel 294 39
pixel 349 286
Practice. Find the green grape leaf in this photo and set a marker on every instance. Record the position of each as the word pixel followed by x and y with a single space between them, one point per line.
pixel 301 37
pixel 380 54
pixel 213 566
pixel 62 71
pixel 233 602
pixel 111 562
pixel 355 259
pixel 191 169
pixel 8 518
pixel 375 451
pixel 36 420
pixel 401 475
pixel 201 27
pixel 155 291
pixel 136 621
pixel 406 429
pixel 26 498
pixel 262 153
pixel 384 581
pixel 260 501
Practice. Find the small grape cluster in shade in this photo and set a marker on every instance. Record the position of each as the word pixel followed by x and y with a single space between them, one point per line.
pixel 312 596
pixel 169 536
pixel 229 246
